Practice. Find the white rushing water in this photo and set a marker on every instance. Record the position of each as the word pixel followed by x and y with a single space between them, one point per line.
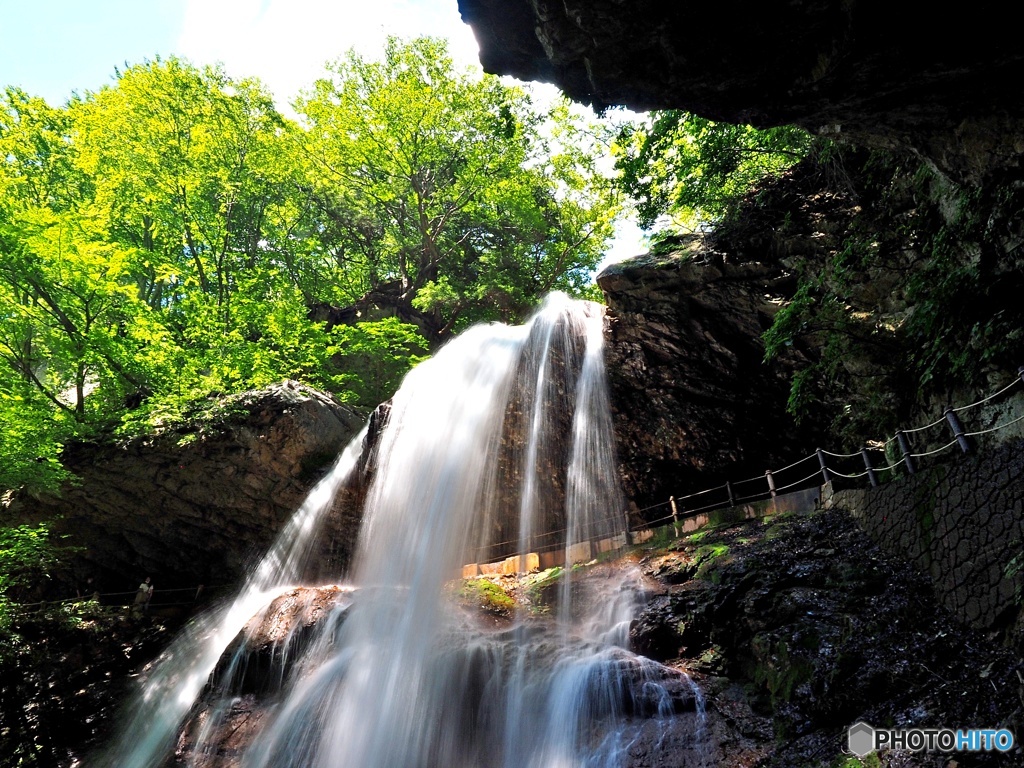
pixel 500 443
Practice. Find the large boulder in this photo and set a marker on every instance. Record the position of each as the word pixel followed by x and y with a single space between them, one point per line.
pixel 200 502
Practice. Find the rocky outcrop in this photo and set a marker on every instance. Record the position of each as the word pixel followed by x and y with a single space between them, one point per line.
pixel 197 503
pixel 299 632
pixel 693 401
pixel 800 627
pixel 943 84
pixel 895 296
pixel 251 673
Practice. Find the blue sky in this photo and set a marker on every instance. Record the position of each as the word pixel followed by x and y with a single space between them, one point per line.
pixel 49 48
pixel 52 48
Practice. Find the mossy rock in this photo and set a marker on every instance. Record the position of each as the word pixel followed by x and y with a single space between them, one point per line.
pixel 487 596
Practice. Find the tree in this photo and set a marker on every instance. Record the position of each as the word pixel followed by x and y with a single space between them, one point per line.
pixel 444 190
pixel 692 169
pixel 64 295
pixel 186 165
pixel 196 175
pixel 172 235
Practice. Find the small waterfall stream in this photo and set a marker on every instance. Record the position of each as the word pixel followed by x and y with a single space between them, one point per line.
pixel 501 443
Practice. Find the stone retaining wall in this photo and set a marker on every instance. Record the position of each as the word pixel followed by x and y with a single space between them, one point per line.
pixel 961 523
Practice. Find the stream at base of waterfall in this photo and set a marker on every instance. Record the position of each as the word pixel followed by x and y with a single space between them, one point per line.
pixel 499 444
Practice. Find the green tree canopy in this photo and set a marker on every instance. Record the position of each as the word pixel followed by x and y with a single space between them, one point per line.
pixel 448 190
pixel 692 169
pixel 173 235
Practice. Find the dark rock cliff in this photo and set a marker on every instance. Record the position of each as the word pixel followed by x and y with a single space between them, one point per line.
pixel 887 294
pixel 198 503
pixel 907 255
pixel 694 403
pixel 943 82
pixel 800 627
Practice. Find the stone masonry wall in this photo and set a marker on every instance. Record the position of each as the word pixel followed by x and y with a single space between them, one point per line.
pixel 961 523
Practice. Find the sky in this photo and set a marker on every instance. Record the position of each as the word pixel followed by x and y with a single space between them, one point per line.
pixel 53 48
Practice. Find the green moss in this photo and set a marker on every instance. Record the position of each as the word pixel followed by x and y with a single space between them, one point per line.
pixel 537 587
pixel 710 552
pixel 487 595
pixel 705 557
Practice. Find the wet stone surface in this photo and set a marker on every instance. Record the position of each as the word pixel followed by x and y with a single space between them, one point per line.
pixel 799 627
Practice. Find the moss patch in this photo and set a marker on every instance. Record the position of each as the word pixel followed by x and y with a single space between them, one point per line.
pixel 487 596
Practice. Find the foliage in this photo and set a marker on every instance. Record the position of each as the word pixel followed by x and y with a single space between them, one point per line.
pixel 949 312
pixel 375 356
pixel 27 558
pixel 693 169
pixel 172 235
pixel 449 189
pixel 31 439
pixel 486 595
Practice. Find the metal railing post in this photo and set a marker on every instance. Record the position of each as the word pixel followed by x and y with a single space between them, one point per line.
pixel 825 474
pixel 872 477
pixel 901 438
pixel 958 430
pixel 732 497
pixel 675 516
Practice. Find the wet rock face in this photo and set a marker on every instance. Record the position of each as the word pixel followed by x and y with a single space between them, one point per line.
pixel 196 505
pixel 301 633
pixel 239 699
pixel 804 627
pixel 256 661
pixel 944 84
pixel 691 395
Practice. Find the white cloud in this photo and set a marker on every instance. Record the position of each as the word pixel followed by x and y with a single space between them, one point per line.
pixel 287 42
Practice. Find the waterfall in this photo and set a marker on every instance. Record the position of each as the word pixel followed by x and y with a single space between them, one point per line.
pixel 157 711
pixel 500 444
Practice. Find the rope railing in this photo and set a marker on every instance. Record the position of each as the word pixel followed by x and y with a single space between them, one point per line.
pixel 795 463
pixel 757 478
pixel 840 455
pixel 996 428
pixel 681 512
pixel 940 420
pixel 798 482
pixel 837 473
pixel 827 471
pixel 936 451
pixel 1002 391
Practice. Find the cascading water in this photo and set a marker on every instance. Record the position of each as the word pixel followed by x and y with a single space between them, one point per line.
pixel 498 442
